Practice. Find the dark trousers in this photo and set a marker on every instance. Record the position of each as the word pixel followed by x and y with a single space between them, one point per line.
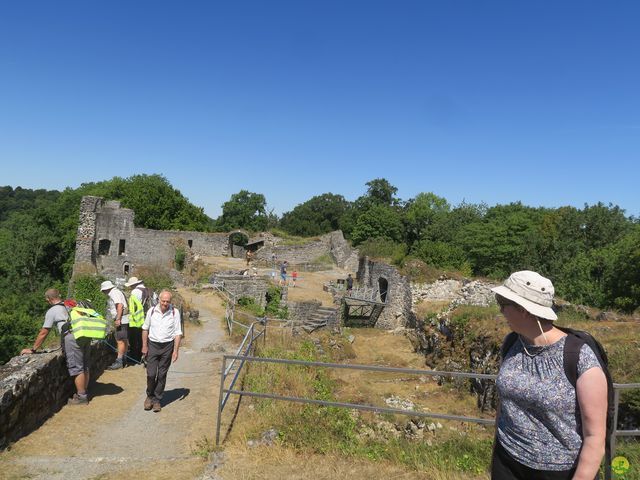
pixel 135 343
pixel 158 362
pixel 505 467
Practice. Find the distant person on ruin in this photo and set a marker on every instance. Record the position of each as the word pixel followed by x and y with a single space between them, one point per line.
pixel 161 335
pixel 248 256
pixel 294 277
pixel 547 426
pixel 76 351
pixel 117 310
pixel 138 306
pixel 349 283
pixel 283 273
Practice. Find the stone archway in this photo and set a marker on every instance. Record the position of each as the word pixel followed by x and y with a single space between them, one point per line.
pixel 237 242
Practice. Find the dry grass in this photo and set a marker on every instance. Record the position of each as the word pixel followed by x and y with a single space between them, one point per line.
pixel 277 462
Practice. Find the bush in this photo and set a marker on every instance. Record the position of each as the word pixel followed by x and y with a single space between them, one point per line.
pixel 180 257
pixel 87 287
pixel 384 248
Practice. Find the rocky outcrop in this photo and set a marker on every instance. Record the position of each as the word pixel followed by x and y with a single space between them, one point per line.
pixel 460 292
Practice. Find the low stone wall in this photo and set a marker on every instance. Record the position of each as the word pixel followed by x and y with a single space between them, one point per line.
pixel 244 286
pixel 301 311
pixel 33 387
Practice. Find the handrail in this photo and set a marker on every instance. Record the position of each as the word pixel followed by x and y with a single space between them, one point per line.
pixel 435 373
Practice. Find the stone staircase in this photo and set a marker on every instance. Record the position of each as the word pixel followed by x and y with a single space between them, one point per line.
pixel 321 317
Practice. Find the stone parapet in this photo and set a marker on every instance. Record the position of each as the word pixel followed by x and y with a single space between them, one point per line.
pixel 33 387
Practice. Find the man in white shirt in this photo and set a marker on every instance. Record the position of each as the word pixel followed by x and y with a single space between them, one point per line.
pixel 161 334
pixel 117 310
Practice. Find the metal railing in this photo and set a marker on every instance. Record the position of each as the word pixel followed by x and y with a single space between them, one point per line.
pixel 226 392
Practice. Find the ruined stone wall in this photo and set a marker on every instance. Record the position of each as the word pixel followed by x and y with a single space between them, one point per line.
pixel 132 248
pixel 244 286
pixel 107 220
pixel 33 387
pixel 301 311
pixel 397 312
pixel 332 245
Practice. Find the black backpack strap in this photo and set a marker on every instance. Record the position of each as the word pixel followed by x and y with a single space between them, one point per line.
pixel 509 340
pixel 572 346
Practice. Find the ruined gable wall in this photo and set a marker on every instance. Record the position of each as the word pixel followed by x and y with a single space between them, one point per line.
pixel 398 312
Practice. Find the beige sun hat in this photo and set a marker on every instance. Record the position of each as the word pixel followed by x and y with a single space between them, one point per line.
pixel 531 291
pixel 106 285
pixel 132 281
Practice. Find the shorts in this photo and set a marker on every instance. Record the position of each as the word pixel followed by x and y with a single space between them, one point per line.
pixel 283 276
pixel 122 332
pixel 78 354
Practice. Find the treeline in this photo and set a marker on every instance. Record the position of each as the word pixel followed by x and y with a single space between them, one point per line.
pixel 592 254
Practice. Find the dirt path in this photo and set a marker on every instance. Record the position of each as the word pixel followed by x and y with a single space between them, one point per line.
pixel 114 437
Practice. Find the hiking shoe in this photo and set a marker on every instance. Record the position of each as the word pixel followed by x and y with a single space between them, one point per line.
pixel 156 407
pixel 148 403
pixel 78 400
pixel 118 364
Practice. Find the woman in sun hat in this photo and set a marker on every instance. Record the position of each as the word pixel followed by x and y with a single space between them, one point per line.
pixel 546 428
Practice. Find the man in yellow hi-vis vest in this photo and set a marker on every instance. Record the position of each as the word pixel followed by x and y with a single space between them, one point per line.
pixel 76 350
pixel 138 306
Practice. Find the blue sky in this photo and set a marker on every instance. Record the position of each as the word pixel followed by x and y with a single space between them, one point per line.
pixel 482 101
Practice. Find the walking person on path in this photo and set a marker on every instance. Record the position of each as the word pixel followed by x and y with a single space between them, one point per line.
pixel 76 351
pixel 161 334
pixel 118 311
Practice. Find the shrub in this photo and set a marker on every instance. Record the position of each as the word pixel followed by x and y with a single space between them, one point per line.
pixel 180 257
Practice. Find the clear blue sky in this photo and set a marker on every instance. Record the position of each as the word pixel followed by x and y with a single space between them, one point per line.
pixel 493 101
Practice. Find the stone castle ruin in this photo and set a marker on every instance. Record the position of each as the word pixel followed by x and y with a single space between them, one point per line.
pixel 108 243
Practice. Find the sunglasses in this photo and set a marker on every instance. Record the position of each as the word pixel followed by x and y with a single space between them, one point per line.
pixel 503 303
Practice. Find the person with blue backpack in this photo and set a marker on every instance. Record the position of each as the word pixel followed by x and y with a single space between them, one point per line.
pixel 553 390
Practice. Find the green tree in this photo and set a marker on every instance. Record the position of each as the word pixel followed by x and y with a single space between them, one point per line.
pixel 381 192
pixel 379 221
pixel 501 243
pixel 244 210
pixel 318 215
pixel 425 217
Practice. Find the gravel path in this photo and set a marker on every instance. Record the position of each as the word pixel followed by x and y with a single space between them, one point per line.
pixel 113 436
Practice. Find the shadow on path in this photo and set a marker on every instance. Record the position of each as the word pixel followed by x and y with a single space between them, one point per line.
pixel 98 389
pixel 173 395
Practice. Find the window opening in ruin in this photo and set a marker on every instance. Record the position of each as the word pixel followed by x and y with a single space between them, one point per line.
pixel 383 287
pixel 126 268
pixel 104 246
pixel 190 243
pixel 121 247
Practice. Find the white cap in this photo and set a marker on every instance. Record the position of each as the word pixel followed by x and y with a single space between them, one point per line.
pixel 106 285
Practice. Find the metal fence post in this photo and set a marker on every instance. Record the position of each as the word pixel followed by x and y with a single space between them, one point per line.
pixel 222 379
pixel 611 451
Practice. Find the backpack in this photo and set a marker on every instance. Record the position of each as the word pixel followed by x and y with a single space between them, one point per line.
pixel 149 299
pixel 574 342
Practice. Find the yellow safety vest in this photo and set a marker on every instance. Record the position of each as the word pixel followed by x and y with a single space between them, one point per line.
pixel 136 312
pixel 87 323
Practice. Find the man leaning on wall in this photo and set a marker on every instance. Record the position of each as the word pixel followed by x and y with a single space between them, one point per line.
pixel 76 351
